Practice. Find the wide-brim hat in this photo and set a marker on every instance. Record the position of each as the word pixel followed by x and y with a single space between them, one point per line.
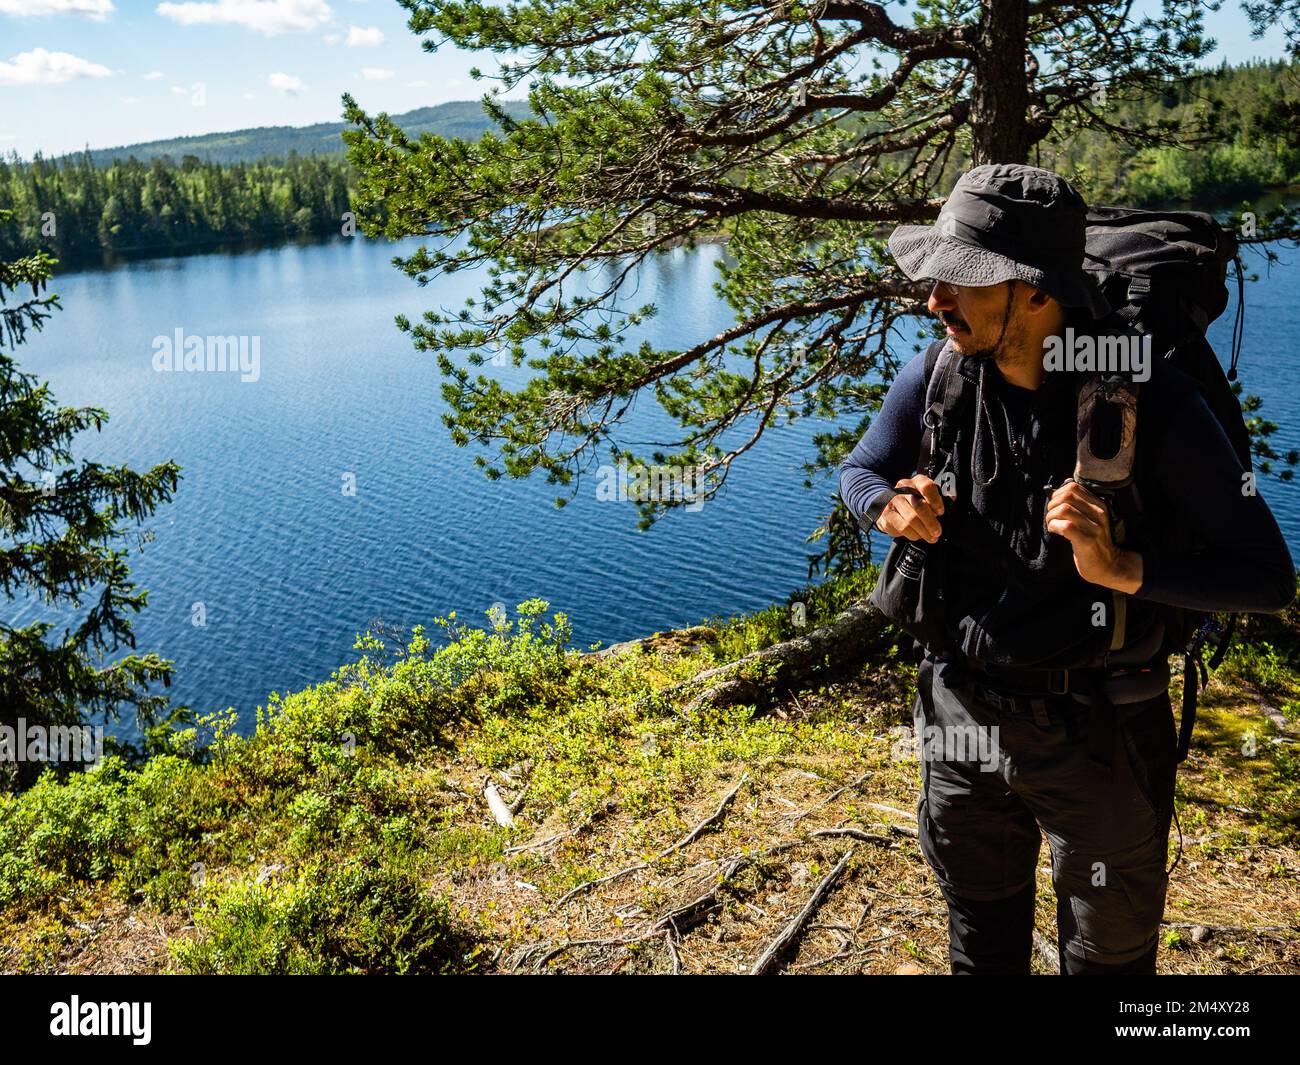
pixel 1006 221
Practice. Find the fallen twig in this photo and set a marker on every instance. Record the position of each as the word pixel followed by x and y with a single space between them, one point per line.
pixel 694 834
pixel 692 912
pixel 540 843
pixel 688 838
pixel 801 966
pixel 909 814
pixel 1229 929
pixel 853 833
pixel 587 885
pixel 791 931
pixel 794 819
pixel 672 952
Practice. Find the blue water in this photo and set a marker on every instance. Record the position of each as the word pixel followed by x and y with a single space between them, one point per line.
pixel 289 569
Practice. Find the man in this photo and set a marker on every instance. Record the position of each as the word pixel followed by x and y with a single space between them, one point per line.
pixel 1084 731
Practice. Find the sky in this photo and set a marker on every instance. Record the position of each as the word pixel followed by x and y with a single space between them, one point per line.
pixel 104 73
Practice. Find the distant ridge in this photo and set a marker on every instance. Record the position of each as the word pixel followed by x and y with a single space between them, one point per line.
pixel 460 118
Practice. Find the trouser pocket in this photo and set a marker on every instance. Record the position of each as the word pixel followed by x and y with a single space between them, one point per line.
pixel 1150 743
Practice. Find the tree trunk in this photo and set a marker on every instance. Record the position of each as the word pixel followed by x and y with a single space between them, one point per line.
pixel 760 676
pixel 1000 96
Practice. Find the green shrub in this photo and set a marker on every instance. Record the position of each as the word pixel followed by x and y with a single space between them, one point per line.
pixel 362 917
pixel 59 832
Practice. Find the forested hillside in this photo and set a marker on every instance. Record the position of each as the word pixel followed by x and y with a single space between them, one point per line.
pixel 78 211
pixel 1237 128
pixel 1252 144
pixel 460 118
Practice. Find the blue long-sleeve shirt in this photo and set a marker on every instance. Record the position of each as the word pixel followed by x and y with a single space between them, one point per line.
pixel 1246 565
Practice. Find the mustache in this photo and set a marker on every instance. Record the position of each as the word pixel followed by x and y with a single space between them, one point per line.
pixel 953 320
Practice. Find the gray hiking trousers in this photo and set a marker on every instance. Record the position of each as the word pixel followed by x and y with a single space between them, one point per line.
pixel 992 776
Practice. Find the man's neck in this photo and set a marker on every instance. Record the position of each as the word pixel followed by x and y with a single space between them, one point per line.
pixel 1022 366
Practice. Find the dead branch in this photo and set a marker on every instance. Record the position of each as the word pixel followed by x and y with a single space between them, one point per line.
pixel 909 814
pixel 792 930
pixel 1228 929
pixel 794 819
pixel 540 843
pixel 713 819
pixel 692 912
pixel 688 838
pixel 852 833
pixel 672 953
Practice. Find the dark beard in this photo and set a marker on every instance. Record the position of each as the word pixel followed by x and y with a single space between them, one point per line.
pixel 991 352
pixel 984 353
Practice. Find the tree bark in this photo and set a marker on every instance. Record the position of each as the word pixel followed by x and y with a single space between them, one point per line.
pixel 999 114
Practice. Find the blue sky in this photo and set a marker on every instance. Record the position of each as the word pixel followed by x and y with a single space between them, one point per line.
pixel 100 73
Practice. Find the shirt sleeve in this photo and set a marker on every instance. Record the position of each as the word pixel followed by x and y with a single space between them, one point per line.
pixel 888 449
pixel 1245 564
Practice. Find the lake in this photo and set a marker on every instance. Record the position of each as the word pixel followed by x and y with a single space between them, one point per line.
pixel 283 567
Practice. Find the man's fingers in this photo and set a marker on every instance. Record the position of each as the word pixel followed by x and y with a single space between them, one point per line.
pixel 1074 511
pixel 1075 493
pixel 1075 525
pixel 911 517
pixel 930 492
pixel 1064 527
pixel 920 517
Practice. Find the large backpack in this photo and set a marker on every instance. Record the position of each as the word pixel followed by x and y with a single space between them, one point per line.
pixel 1164 273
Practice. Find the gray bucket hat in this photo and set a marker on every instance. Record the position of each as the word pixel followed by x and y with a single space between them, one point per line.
pixel 1005 221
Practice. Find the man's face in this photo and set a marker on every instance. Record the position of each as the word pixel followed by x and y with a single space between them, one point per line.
pixel 975 316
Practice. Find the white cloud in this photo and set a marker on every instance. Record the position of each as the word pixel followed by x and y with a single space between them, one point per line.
pixel 248 96
pixel 39 67
pixel 358 36
pixel 377 73
pixel 128 100
pixel 154 75
pixel 180 90
pixel 268 17
pixel 285 82
pixel 420 84
pixel 98 10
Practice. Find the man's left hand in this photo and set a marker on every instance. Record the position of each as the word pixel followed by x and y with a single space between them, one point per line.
pixel 1082 518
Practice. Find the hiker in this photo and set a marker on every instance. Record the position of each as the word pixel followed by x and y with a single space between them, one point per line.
pixel 1043 620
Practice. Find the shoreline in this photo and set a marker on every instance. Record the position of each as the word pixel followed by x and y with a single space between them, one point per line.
pixel 118 258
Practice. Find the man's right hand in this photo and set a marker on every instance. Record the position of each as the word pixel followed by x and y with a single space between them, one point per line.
pixel 914 512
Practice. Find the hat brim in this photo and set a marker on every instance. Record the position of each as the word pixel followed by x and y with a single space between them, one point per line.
pixel 923 253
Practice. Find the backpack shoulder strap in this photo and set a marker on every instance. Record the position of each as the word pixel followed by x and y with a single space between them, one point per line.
pixel 942 383
pixel 944 392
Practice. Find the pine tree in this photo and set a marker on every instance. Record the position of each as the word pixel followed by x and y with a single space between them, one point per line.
pixel 801 131
pixel 64 527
